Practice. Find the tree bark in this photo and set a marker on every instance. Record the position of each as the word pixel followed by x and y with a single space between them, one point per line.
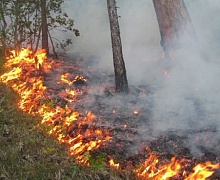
pixel 44 26
pixel 175 25
pixel 3 31
pixel 16 24
pixel 121 82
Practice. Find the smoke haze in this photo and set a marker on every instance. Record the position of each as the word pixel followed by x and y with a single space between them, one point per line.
pixel 189 97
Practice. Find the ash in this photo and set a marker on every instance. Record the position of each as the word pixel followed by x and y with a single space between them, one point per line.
pixel 132 120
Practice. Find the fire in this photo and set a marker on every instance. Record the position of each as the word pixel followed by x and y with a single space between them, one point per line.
pixel 65 79
pixel 13 74
pixel 70 127
pixel 202 171
pixel 113 164
pixel 24 77
pixel 151 169
pixel 136 112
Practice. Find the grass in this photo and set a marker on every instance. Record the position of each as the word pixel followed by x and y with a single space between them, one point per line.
pixel 26 152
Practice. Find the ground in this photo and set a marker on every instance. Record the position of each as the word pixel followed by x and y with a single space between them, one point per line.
pixel 122 123
pixel 128 118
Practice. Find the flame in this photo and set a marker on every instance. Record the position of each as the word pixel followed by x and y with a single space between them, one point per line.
pixel 24 77
pixel 113 164
pixel 68 126
pixel 41 57
pixel 65 79
pixel 13 74
pixel 151 169
pixel 202 171
pixel 136 112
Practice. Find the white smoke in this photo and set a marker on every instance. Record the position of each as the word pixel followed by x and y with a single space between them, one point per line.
pixel 189 98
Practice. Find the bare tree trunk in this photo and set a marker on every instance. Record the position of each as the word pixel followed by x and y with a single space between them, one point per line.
pixel 44 26
pixel 38 39
pixel 16 27
pixel 119 65
pixel 175 25
pixel 3 32
pixel 54 51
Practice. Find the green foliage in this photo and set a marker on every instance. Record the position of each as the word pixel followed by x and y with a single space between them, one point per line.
pixel 64 44
pixel 96 162
pixel 20 21
pixel 26 152
pixel 1 60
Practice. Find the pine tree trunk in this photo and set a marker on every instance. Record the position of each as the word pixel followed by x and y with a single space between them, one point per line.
pixel 119 65
pixel 16 24
pixel 44 26
pixel 175 25
pixel 3 32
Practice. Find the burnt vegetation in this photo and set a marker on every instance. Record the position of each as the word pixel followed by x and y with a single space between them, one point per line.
pixel 98 127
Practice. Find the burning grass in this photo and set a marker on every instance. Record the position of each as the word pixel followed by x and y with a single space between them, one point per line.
pixel 26 152
pixel 80 129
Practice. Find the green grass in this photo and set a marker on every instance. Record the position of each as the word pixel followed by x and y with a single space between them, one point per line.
pixel 26 152
pixel 1 61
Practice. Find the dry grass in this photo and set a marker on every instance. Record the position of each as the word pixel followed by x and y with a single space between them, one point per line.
pixel 28 153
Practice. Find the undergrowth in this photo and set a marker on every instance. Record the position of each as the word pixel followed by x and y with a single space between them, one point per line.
pixel 26 152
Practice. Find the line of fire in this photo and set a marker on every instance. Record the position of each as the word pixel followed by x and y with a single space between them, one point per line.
pixel 92 113
pixel 81 132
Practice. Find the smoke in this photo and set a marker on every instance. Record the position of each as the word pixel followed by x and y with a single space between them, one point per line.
pixel 189 97
pixel 139 34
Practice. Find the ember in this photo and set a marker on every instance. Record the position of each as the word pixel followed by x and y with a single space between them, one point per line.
pixel 83 132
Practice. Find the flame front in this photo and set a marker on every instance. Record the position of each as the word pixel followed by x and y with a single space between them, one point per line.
pixel 24 77
pixel 78 132
pixel 151 169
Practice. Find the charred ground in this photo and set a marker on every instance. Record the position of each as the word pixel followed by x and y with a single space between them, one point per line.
pixel 127 118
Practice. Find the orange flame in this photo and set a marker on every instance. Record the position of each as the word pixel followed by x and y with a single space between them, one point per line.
pixel 202 171
pixel 60 121
pixel 64 79
pixel 24 78
pixel 113 164
pixel 151 169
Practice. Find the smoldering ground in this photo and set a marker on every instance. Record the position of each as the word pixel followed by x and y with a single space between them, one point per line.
pixel 185 100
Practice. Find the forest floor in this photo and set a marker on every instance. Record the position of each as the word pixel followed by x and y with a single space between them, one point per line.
pixel 127 118
pixel 28 153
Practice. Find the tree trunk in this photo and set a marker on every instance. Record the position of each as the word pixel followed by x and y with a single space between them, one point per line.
pixel 119 65
pixel 3 31
pixel 175 25
pixel 44 26
pixel 16 44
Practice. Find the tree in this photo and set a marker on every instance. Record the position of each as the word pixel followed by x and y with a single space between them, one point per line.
pixel 44 26
pixel 175 25
pixel 121 82
pixel 25 22
pixel 3 26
